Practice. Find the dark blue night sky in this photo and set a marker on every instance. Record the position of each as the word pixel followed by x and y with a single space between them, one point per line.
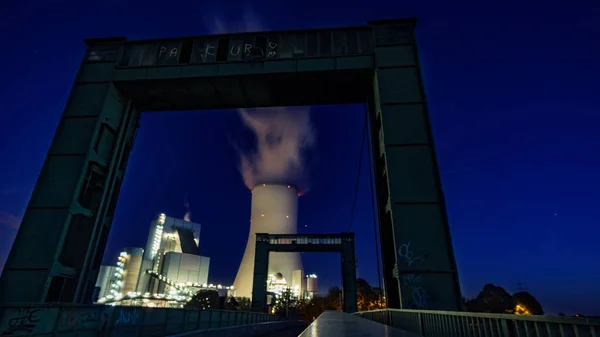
pixel 513 96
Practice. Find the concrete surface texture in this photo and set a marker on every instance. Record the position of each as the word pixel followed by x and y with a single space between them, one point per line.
pixel 334 323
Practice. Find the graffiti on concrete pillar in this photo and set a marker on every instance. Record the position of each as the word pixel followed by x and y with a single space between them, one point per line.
pixel 411 284
pixel 45 320
pixel 127 316
pixel 22 321
pixel 75 318
pixel 419 295
pixel 406 254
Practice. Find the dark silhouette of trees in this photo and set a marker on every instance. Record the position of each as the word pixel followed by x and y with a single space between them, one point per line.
pixel 495 299
pixel 238 303
pixel 528 301
pixel 367 297
pixel 204 299
pixel 492 299
pixel 318 304
pixel 287 304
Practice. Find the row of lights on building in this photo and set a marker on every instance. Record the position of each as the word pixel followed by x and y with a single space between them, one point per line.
pixel 158 234
pixel 262 215
pixel 134 295
pixel 189 284
pixel 287 216
pixel 180 291
pixel 288 186
pixel 120 270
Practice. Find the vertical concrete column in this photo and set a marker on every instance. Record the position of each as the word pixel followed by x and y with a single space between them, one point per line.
pixel 348 258
pixel 59 246
pixel 261 268
pixel 420 270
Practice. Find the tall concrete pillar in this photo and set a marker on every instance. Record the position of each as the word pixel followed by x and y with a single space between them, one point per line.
pixel 418 259
pixel 59 246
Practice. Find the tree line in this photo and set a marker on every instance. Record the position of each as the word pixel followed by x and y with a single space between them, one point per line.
pixel 491 299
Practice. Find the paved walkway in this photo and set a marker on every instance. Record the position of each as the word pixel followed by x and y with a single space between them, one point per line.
pixel 339 324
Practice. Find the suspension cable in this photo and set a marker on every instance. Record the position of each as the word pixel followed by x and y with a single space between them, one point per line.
pixel 373 197
pixel 360 157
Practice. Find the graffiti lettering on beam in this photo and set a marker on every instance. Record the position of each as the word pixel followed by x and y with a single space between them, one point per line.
pixel 264 47
pixel 25 321
pixel 127 316
pixel 207 51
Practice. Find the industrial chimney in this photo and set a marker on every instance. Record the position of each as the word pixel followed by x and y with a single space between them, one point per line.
pixel 274 211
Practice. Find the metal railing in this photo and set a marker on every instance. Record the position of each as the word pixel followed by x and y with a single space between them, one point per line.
pixel 99 320
pixel 466 324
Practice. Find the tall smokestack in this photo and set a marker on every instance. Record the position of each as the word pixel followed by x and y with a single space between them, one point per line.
pixel 274 211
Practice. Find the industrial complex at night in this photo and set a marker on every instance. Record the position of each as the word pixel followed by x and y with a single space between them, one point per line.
pixel 169 270
pixel 56 283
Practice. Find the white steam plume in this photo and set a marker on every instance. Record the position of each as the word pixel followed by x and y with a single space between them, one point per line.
pixel 248 23
pixel 188 212
pixel 282 136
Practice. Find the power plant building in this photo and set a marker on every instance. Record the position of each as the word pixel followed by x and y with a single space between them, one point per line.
pixel 274 211
pixel 106 278
pixel 131 269
pixel 176 238
pixel 311 286
pixel 166 273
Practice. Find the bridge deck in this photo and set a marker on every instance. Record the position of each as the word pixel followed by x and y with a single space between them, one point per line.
pixel 293 331
pixel 334 323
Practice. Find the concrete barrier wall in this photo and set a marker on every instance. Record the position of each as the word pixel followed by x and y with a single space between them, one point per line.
pixel 100 320
pixel 252 330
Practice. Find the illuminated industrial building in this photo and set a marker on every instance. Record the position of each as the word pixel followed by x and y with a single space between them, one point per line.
pixel 311 286
pixel 274 211
pixel 167 273
pixel 106 278
pixel 172 251
pixel 301 286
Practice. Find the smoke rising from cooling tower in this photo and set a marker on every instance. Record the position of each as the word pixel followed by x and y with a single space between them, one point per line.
pixel 282 137
pixel 248 23
pixel 282 134
pixel 188 212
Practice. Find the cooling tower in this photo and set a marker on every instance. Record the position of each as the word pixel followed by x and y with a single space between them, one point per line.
pixel 274 211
